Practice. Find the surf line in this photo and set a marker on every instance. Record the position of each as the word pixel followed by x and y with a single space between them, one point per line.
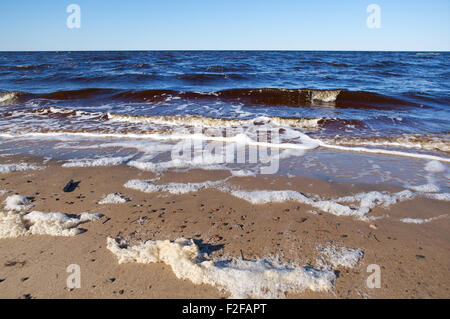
pixel 312 143
pixel 386 152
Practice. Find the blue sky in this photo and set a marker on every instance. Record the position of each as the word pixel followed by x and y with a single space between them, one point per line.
pixel 416 25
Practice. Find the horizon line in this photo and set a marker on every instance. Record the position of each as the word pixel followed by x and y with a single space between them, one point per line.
pixel 226 50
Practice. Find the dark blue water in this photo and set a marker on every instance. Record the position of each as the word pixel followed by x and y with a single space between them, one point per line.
pixel 391 73
pixel 381 94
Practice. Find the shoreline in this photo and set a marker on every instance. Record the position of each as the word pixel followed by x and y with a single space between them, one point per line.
pixel 413 257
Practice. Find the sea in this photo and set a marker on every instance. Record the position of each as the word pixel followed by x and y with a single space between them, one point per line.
pixel 360 117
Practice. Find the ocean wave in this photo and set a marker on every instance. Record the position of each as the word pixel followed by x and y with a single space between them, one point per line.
pixel 61 113
pixel 147 95
pixel 8 98
pixel 370 100
pixel 339 98
pixel 200 121
pixel 173 120
pixel 427 142
pixel 77 94
pixel 192 120
pixel 284 97
pixel 41 120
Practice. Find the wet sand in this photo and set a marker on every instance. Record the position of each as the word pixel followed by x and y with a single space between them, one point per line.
pixel 414 258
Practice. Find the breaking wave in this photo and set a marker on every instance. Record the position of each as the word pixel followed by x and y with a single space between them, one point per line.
pixel 306 97
pixel 40 122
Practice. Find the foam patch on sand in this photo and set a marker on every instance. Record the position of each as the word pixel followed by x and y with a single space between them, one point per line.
pixel 155 167
pixel 425 188
pixel 358 205
pixel 173 188
pixel 441 196
pixel 9 168
pixel 370 200
pixel 340 256
pixel 242 173
pixel 105 161
pixel 420 220
pixel 366 201
pixel 17 203
pixel 113 198
pixel 240 278
pixel 268 196
pixel 14 224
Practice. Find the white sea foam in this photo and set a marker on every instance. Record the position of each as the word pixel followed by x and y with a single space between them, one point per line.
pixel 338 255
pixel 113 198
pixel 386 152
pixel 17 203
pixel 9 168
pixel 440 196
pixel 311 143
pixel 411 141
pixel 434 167
pixel 367 201
pixel 8 97
pixel 148 147
pixel 182 158
pixel 291 153
pixel 197 121
pixel 13 224
pixel 242 173
pixel 357 205
pixel 421 220
pixel 160 167
pixel 268 196
pixel 325 95
pixel 426 188
pixel 373 199
pixel 173 188
pixel 105 161
pixel 306 141
pixel 240 278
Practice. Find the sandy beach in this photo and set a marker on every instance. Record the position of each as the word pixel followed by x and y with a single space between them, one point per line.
pixel 214 158
pixel 414 258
